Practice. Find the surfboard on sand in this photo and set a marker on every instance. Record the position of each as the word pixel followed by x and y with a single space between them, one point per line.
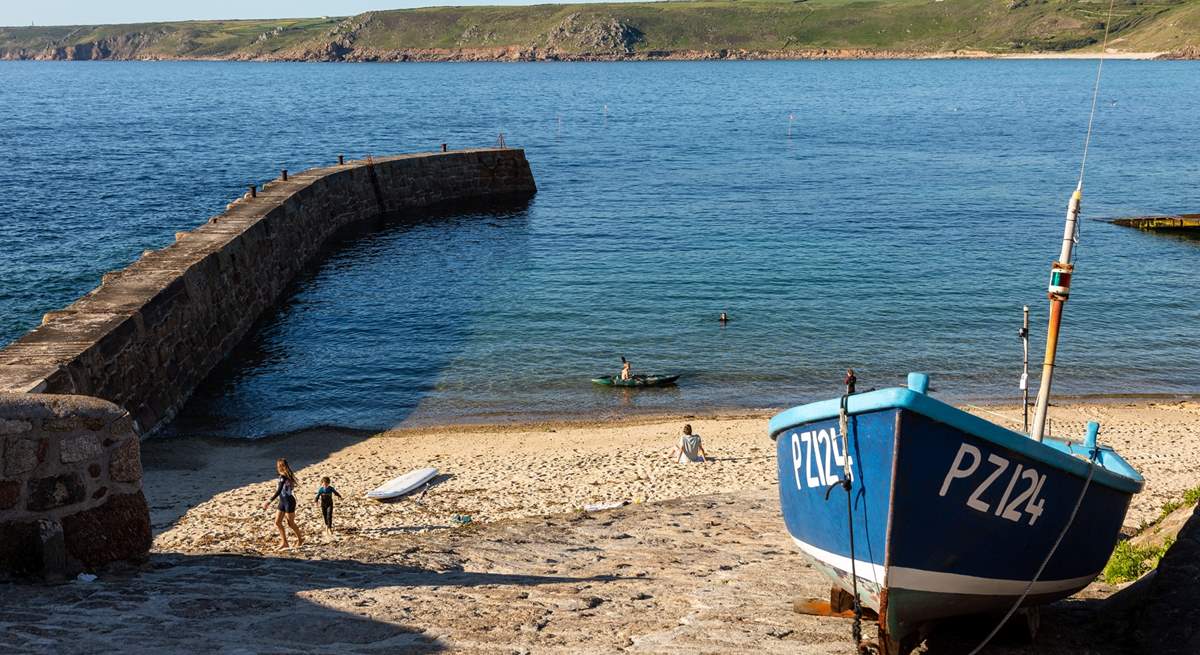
pixel 405 484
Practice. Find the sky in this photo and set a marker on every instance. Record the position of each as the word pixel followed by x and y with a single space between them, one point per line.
pixel 88 12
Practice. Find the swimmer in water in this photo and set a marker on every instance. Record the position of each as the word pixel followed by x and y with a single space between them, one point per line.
pixel 724 318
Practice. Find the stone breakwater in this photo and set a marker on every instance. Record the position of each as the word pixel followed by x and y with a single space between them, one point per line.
pixel 149 334
pixel 70 485
pixel 77 392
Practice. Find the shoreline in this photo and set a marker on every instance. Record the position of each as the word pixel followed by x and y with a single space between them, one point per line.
pixel 515 54
pixel 520 423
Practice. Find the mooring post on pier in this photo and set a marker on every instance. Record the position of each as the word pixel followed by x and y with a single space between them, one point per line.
pixel 283 175
pixel 341 160
pixel 253 190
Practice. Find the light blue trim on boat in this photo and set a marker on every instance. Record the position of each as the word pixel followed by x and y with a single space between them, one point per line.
pixel 1072 457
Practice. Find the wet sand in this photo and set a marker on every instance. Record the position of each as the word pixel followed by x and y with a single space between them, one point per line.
pixel 697 562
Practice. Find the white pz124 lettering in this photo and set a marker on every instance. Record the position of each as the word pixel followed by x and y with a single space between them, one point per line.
pixel 817 458
pixel 1025 482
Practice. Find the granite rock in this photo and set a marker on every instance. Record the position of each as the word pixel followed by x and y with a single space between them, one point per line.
pixel 117 530
pixel 126 463
pixel 14 426
pixel 10 493
pixel 56 491
pixel 23 455
pixel 78 448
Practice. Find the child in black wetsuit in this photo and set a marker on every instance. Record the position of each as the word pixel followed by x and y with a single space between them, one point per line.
pixel 325 495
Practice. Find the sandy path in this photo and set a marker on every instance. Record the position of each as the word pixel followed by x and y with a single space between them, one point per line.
pixel 706 574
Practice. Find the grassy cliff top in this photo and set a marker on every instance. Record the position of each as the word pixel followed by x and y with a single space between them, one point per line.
pixel 641 29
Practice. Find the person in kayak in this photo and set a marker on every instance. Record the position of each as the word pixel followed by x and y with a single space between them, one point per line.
pixel 285 492
pixel 689 449
pixel 626 369
pixel 325 494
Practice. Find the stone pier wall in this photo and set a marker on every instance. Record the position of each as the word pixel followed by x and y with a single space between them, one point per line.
pixel 70 485
pixel 149 334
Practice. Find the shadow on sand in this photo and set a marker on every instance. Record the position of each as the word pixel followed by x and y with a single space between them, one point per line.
pixel 239 603
pixel 1067 626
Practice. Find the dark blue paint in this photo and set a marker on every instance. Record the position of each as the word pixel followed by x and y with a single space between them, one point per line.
pixel 936 533
pixel 927 532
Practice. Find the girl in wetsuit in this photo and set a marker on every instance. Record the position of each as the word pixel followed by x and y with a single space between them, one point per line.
pixel 325 495
pixel 285 492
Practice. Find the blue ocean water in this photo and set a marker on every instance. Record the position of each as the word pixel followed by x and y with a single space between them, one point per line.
pixel 885 215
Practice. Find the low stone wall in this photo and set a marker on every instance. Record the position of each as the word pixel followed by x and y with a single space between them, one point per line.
pixel 70 485
pixel 151 333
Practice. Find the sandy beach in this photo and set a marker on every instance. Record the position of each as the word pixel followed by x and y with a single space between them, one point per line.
pixel 698 561
pixel 207 494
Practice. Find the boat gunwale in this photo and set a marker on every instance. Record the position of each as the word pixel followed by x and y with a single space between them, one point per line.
pixel 647 380
pixel 906 399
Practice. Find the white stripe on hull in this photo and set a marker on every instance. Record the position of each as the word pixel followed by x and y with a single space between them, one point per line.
pixel 898 577
pixel 865 570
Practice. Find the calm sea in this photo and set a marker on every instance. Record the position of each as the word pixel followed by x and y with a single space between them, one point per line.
pixel 890 216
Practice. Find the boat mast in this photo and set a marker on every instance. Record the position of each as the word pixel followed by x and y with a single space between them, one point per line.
pixel 1060 270
pixel 1060 289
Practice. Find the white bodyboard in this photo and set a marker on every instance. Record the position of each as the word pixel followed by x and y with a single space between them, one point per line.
pixel 405 484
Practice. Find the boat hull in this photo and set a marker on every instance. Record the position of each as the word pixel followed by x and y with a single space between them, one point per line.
pixel 636 381
pixel 946 521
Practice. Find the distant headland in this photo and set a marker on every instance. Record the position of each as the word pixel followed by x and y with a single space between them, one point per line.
pixel 694 30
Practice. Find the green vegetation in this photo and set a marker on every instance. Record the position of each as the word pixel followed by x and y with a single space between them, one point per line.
pixel 1190 498
pixel 777 28
pixel 1130 562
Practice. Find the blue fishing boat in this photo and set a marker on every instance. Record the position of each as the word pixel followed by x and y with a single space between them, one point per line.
pixel 918 511
pixel 949 514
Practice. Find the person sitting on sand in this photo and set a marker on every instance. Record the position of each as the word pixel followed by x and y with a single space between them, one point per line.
pixel 689 448
pixel 626 369
pixel 285 492
pixel 325 494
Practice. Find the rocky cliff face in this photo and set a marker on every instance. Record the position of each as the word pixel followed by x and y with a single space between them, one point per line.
pixel 128 46
pixel 601 36
pixel 1189 53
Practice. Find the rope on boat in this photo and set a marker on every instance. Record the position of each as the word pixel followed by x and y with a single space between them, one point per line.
pixel 1078 503
pixel 1087 140
pixel 988 411
pixel 1096 91
pixel 846 484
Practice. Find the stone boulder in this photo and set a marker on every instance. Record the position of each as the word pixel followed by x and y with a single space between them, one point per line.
pixel 70 486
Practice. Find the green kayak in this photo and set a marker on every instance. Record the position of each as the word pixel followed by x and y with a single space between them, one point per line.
pixel 636 381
